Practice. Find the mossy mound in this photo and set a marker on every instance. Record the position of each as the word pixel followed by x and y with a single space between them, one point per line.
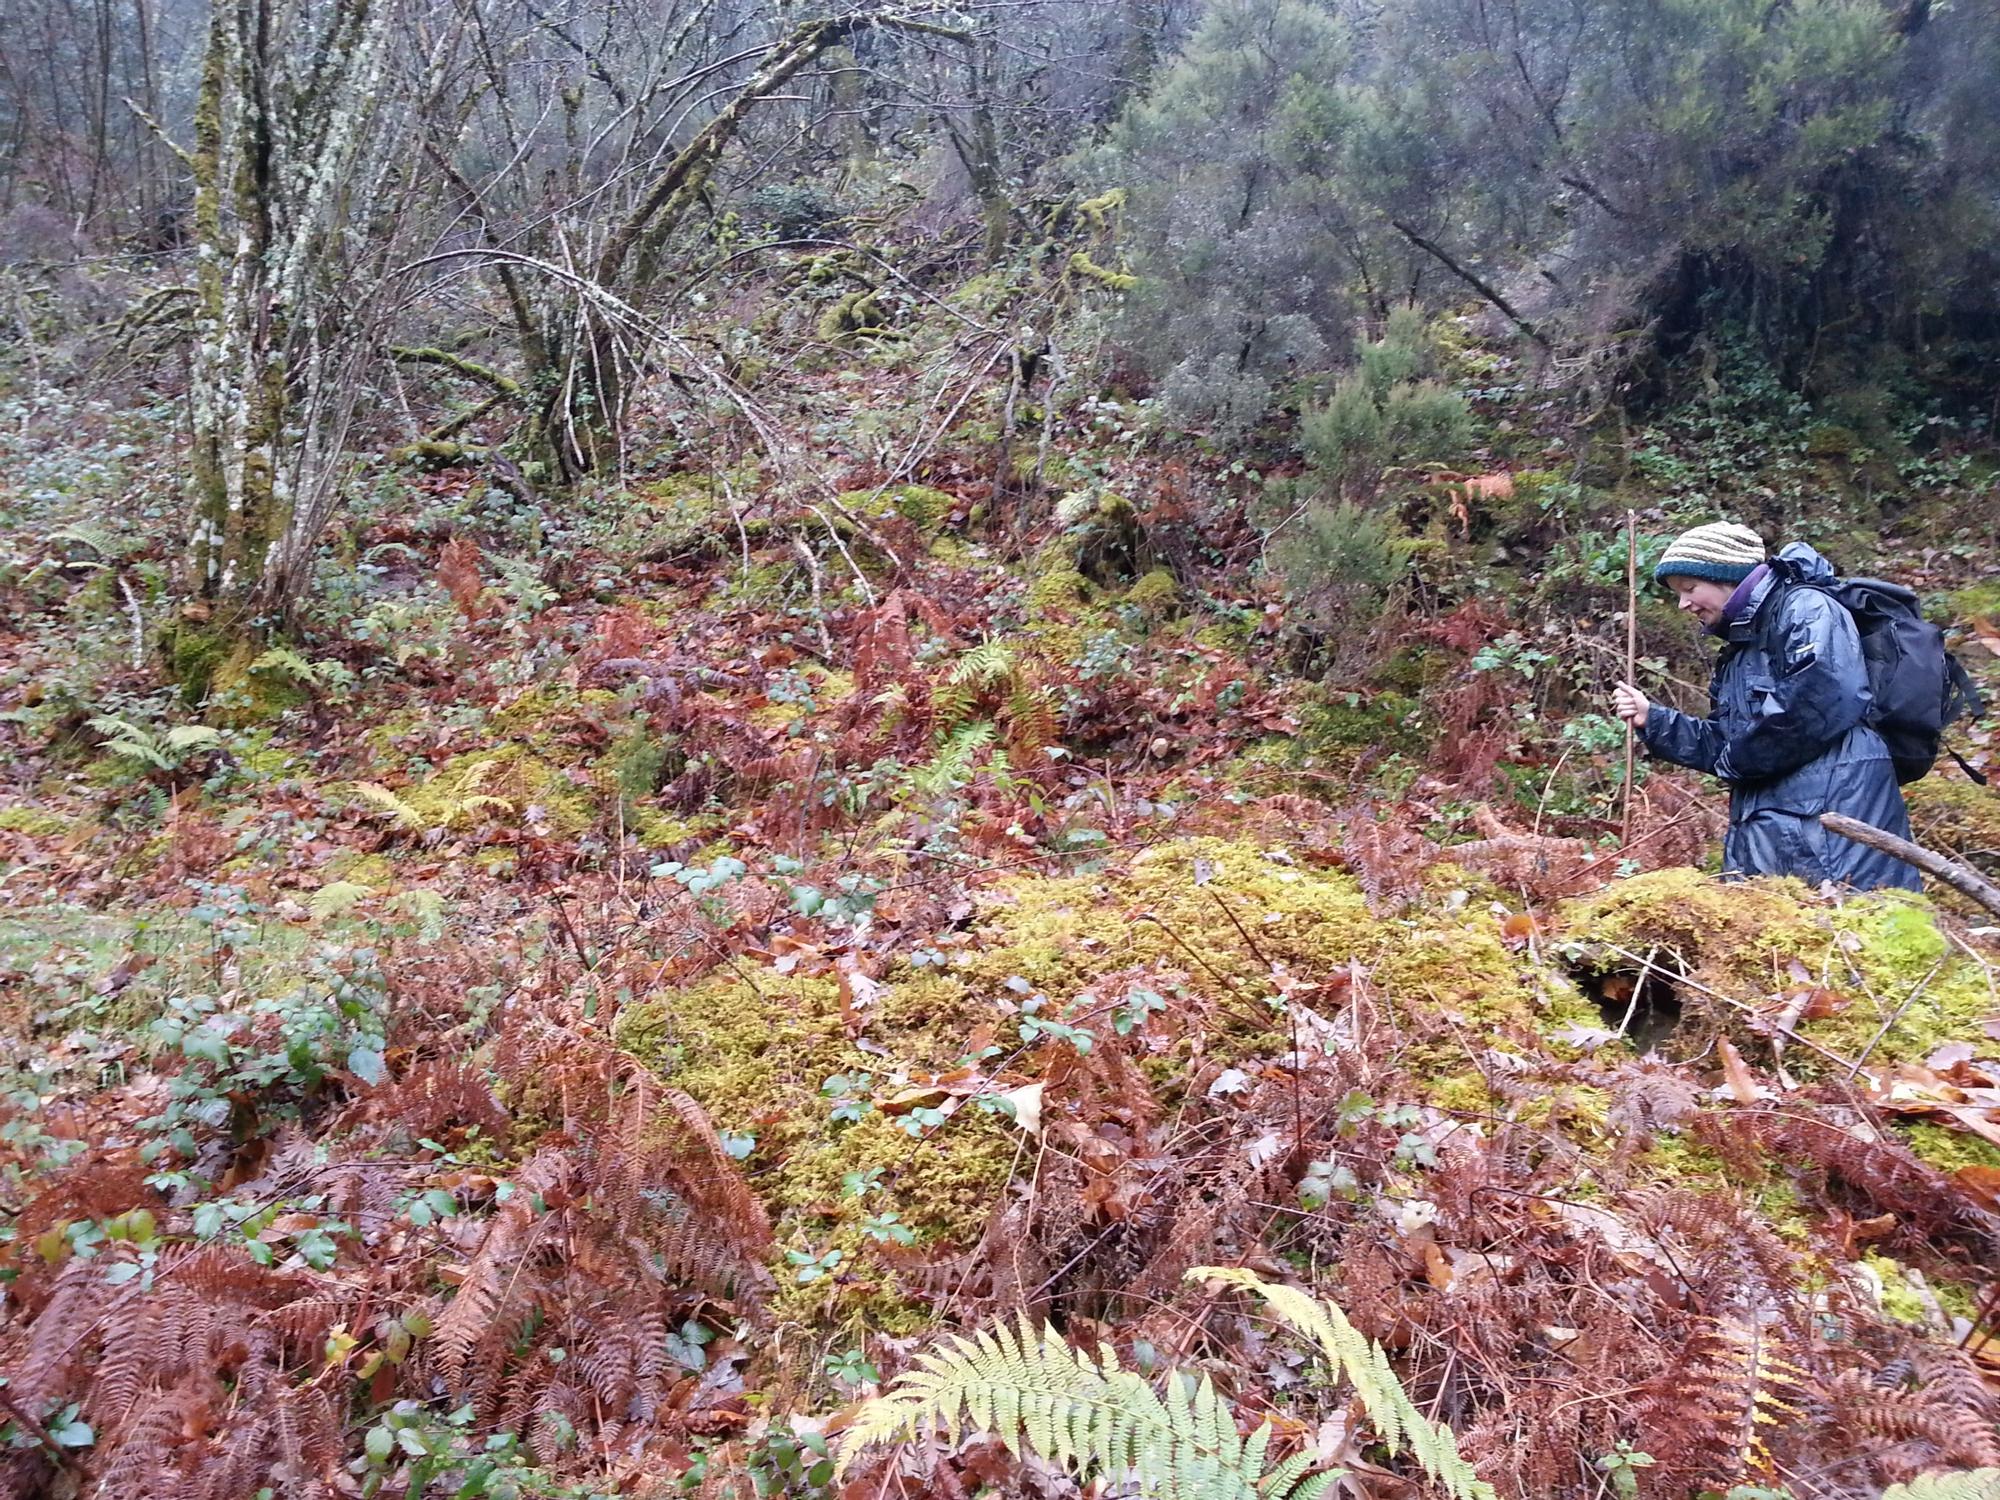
pixel 1173 906
pixel 1895 986
pixel 1225 912
pixel 759 1060
pixel 1156 595
pixel 757 1048
pixel 923 507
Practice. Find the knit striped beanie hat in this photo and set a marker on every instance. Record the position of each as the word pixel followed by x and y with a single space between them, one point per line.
pixel 1721 552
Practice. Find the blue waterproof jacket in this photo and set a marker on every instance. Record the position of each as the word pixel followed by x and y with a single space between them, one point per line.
pixel 1786 734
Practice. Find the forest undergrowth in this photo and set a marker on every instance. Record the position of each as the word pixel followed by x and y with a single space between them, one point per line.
pixel 596 1001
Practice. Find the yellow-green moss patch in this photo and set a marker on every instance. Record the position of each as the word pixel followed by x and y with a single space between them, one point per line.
pixel 1955 816
pixel 920 505
pixel 1949 1149
pixel 34 822
pixel 759 1059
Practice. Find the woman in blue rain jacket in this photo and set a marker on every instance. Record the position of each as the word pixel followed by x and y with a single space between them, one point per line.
pixel 1787 730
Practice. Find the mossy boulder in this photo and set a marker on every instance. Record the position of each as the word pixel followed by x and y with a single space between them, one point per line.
pixel 1156 595
pixel 923 507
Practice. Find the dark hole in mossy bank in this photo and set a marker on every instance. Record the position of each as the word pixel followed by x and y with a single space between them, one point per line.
pixel 1640 1003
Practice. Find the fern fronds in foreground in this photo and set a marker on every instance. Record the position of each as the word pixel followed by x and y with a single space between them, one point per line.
pixel 1972 1484
pixel 1034 1392
pixel 1394 1415
pixel 1037 1394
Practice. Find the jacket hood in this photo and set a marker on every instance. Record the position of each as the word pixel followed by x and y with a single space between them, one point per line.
pixel 1795 563
pixel 1804 564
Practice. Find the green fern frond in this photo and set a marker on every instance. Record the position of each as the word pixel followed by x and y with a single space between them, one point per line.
pixel 336 898
pixel 387 803
pixel 1971 1484
pixel 951 767
pixel 951 704
pixel 985 664
pixel 122 737
pixel 1091 1418
pixel 1394 1415
pixel 282 661
pixel 104 543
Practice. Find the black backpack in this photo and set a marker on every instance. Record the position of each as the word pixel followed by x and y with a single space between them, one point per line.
pixel 1918 686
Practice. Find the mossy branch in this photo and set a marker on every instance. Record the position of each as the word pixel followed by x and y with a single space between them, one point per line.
pixel 186 156
pixel 506 385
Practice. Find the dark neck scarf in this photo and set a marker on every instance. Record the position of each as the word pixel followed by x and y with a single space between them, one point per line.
pixel 1738 604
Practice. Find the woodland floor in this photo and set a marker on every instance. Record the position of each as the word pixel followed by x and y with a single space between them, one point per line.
pixel 596 1003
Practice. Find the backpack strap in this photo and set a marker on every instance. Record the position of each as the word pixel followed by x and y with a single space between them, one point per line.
pixel 1961 692
pixel 1962 697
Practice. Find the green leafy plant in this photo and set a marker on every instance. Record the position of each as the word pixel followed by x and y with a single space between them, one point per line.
pixel 1093 1418
pixel 168 751
pixel 1621 1466
pixel 808 1267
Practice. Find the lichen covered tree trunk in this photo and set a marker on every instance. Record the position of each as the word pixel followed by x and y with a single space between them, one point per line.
pixel 285 160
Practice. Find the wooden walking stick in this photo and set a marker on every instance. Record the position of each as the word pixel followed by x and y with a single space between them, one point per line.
pixel 1631 655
